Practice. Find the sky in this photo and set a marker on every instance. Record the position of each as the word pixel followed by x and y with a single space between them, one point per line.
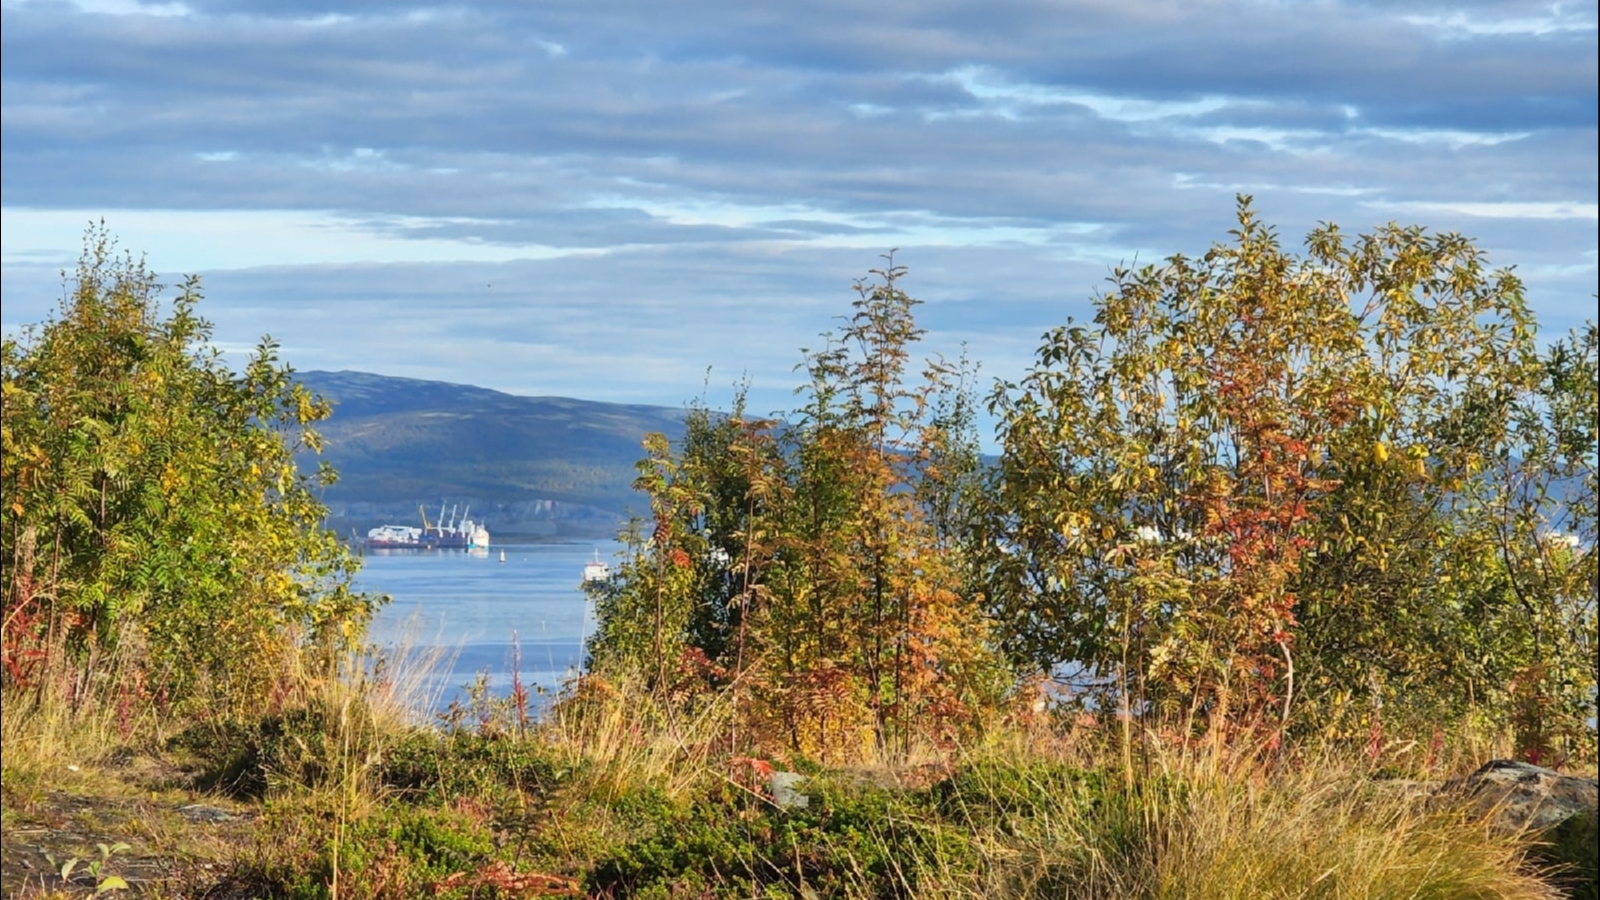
pixel 644 201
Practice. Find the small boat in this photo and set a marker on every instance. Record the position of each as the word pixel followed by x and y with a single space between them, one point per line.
pixel 596 570
pixel 502 556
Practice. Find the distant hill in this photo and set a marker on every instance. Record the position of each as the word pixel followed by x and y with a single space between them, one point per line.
pixel 528 465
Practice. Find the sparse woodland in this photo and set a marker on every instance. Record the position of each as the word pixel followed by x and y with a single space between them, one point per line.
pixel 1277 530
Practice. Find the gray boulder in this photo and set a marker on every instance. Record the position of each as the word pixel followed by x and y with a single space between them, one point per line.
pixel 1525 797
pixel 786 790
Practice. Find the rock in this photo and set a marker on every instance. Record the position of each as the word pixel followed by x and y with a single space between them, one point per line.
pixel 786 790
pixel 1525 797
pixel 199 812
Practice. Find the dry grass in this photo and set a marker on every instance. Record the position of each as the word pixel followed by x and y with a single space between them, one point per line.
pixel 65 725
pixel 628 740
pixel 1322 831
pixel 1206 826
pixel 1030 813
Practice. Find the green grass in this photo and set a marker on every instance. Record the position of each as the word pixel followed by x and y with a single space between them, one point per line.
pixel 613 796
pixel 620 798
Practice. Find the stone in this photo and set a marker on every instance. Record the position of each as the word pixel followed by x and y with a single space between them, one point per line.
pixel 786 790
pixel 199 812
pixel 1525 797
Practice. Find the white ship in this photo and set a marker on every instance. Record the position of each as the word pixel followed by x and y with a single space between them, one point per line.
pixel 596 569
pixel 395 536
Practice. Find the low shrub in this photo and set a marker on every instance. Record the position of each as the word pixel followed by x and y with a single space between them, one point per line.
pixel 849 840
pixel 427 766
pixel 396 852
pixel 308 746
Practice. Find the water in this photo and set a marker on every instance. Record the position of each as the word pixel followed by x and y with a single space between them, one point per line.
pixel 469 607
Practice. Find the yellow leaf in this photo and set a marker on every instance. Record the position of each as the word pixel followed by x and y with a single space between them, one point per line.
pixel 1380 452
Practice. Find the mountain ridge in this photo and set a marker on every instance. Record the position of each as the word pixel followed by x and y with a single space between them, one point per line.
pixel 547 466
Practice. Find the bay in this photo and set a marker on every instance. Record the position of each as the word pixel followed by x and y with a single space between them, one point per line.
pixel 461 614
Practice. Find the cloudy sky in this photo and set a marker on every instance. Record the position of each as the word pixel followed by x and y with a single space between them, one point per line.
pixel 605 199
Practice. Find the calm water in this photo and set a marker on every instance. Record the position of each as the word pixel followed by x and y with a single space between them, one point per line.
pixel 471 607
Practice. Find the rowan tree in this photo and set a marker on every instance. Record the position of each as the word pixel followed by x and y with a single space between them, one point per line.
pixel 153 504
pixel 828 595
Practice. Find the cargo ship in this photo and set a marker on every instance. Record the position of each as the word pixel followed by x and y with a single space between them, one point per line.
pixel 446 533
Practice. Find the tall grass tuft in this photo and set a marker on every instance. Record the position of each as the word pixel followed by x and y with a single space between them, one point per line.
pixel 68 719
pixel 1204 828
pixel 626 739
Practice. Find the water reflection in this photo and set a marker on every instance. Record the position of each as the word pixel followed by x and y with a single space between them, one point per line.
pixel 473 613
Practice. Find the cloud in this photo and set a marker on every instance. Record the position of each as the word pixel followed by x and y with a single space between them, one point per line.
pixel 692 178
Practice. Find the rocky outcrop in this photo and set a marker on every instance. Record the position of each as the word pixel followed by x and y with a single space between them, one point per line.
pixel 1524 797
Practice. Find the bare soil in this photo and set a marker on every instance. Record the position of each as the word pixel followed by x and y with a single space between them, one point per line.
pixel 179 839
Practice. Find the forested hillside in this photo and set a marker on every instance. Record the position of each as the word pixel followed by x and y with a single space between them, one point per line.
pixel 531 465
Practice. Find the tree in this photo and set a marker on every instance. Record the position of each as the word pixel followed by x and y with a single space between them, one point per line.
pixel 151 502
pixel 812 568
pixel 1539 517
pixel 1237 490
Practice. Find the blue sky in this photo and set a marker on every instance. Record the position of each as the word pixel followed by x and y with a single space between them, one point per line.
pixel 603 200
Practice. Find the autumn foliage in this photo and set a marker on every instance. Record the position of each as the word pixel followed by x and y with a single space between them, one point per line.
pixel 159 538
pixel 799 566
pixel 1271 527
pixel 1260 494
